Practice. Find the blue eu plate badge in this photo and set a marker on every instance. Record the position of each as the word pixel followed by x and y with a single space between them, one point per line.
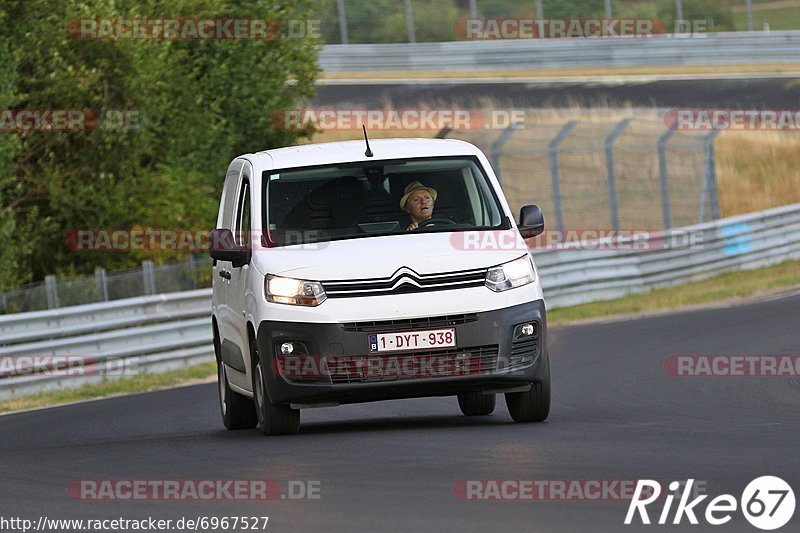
pixel 373 343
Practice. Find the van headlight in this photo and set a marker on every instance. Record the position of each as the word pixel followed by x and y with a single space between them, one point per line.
pixel 292 291
pixel 509 275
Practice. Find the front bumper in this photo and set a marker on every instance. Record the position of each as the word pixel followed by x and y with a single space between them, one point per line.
pixel 508 359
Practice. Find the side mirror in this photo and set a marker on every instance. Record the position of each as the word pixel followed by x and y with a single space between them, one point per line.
pixel 222 247
pixel 531 221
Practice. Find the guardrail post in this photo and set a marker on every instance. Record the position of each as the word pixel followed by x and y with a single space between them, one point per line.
pixel 102 283
pixel 473 9
pixel 554 171
pixel 412 35
pixel 342 22
pixel 51 288
pixel 611 171
pixel 149 277
pixel 497 149
pixel 709 190
pixel 662 171
pixel 190 263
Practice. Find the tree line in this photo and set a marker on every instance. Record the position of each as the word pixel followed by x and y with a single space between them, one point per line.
pixel 151 124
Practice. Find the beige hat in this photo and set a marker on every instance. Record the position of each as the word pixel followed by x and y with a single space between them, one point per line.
pixel 415 186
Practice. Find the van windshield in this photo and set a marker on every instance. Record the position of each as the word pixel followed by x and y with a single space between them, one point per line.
pixel 371 198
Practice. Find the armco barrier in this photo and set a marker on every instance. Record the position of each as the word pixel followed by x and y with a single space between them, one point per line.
pixel 575 276
pixel 170 331
pixel 156 333
pixel 701 49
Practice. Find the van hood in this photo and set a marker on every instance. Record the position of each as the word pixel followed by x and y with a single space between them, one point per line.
pixel 380 257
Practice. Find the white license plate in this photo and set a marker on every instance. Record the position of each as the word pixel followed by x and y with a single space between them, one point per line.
pixel 412 340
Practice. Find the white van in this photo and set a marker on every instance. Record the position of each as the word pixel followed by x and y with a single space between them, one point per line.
pixel 344 273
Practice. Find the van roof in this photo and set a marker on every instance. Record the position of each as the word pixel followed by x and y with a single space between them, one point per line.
pixel 348 151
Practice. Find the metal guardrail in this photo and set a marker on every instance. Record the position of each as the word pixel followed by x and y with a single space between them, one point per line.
pixel 576 276
pixel 173 330
pixel 147 334
pixel 700 49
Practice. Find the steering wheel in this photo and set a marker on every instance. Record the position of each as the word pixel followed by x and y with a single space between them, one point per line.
pixel 431 221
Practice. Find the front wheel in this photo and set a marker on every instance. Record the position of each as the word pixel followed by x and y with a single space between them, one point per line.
pixel 532 405
pixel 237 411
pixel 272 419
pixel 477 404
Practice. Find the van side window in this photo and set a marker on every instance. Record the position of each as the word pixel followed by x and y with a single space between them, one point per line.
pixel 242 232
pixel 228 204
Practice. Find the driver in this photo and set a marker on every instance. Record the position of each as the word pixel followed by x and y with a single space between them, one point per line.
pixel 418 202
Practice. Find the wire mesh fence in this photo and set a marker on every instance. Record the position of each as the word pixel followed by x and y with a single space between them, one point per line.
pixel 633 174
pixel 392 21
pixel 193 273
pixel 628 174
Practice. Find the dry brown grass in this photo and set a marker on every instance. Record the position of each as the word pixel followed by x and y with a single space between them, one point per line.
pixel 757 170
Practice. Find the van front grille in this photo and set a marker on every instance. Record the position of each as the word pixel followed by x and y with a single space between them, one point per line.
pixel 405 280
pixel 408 324
pixel 437 364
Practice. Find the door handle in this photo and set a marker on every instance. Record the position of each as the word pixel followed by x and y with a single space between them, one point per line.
pixel 225 274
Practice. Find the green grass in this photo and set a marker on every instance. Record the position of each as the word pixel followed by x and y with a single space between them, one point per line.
pixel 723 287
pixel 142 383
pixel 778 18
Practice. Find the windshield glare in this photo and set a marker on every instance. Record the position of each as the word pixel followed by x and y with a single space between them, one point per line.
pixel 333 202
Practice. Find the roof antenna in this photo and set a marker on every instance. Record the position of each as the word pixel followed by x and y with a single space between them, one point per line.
pixel 368 153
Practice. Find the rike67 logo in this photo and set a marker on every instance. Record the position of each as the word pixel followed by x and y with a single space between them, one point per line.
pixel 767 503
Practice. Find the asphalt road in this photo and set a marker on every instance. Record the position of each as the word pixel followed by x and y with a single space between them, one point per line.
pixel 736 93
pixel 392 466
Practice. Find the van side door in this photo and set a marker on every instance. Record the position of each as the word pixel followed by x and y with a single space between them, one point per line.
pixel 239 292
pixel 221 269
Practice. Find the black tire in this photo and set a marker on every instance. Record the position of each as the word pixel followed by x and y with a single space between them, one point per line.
pixel 532 405
pixel 238 412
pixel 477 404
pixel 272 419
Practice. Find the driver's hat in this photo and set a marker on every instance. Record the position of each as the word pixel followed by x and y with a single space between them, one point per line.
pixel 415 186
